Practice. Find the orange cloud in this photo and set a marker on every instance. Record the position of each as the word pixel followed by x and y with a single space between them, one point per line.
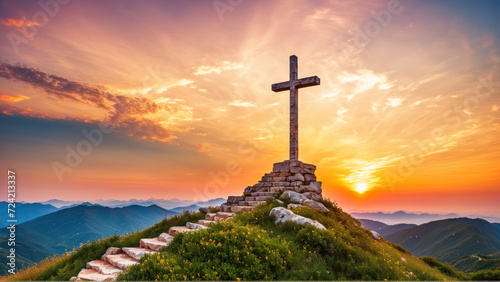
pixel 203 147
pixel 13 98
pixel 18 23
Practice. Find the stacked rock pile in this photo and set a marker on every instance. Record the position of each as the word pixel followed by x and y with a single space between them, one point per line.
pixel 293 179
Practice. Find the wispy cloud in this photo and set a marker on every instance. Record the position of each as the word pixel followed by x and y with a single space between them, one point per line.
pixel 226 65
pixel 240 103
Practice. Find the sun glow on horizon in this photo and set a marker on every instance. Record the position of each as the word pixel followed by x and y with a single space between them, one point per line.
pixel 361 187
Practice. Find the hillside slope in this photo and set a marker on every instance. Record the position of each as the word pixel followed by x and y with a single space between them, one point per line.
pixel 252 247
pixel 449 239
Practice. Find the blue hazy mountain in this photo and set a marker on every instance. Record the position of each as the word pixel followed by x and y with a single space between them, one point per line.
pixel 25 211
pixel 66 228
pixel 384 229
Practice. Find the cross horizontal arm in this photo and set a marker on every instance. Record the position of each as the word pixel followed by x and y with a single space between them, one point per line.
pixel 307 81
pixel 299 83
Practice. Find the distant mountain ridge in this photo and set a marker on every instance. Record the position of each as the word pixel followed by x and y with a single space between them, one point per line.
pixel 166 204
pixel 384 229
pixel 449 239
pixel 400 217
pixel 25 212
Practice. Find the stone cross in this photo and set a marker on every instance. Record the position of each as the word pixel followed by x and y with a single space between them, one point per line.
pixel 293 85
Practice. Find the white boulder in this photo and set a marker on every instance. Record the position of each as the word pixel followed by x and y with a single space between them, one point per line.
pixel 282 215
pixel 294 197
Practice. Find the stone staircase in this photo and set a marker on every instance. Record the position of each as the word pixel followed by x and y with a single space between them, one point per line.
pixel 117 260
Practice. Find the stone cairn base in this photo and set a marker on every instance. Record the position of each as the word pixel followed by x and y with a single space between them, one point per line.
pixel 294 178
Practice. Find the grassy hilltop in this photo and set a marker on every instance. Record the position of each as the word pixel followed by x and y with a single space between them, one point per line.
pixel 251 247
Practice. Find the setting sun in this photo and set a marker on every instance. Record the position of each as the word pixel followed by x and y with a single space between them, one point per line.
pixel 361 187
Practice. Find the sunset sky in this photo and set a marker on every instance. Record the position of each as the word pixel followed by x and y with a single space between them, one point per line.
pixel 407 116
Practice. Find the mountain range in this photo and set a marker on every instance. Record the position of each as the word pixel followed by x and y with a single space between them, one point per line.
pixel 449 239
pixel 384 229
pixel 413 218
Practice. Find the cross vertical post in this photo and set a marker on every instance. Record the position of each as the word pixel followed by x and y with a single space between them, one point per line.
pixel 294 111
pixel 293 85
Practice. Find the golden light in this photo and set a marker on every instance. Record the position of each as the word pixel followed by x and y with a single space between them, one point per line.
pixel 361 187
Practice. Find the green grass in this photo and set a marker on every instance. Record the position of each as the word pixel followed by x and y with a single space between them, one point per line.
pixel 251 247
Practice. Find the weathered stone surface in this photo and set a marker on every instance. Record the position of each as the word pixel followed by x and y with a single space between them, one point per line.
pixel 309 177
pixel 235 199
pixel 137 253
pixel 313 196
pixel 152 243
pixel 267 179
pixel 279 179
pixel 210 216
pixel 313 187
pixel 121 260
pixel 296 177
pixel 315 205
pixel 280 184
pixel 205 222
pixel 284 174
pixel 296 169
pixel 279 202
pixel 165 237
pixel 195 226
pixel 261 198
pixel 179 229
pixel 294 206
pixel 296 183
pixel 282 215
pixel 204 210
pixel 113 251
pixel 275 189
pixel 103 267
pixel 260 194
pixel 93 275
pixel 375 235
pixel 224 215
pixel 294 197
pixel 296 189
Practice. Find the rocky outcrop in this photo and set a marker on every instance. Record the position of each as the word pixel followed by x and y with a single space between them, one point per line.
pixel 283 215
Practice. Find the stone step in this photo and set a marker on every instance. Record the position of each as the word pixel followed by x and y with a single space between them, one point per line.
pixel 94 275
pixel 165 237
pixel 103 267
pixel 224 215
pixel 195 226
pixel 250 203
pixel 178 229
pixel 121 260
pixel 153 243
pixel 210 216
pixel 137 253
pixel 235 209
pixel 205 222
pixel 259 198
pixel 263 194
